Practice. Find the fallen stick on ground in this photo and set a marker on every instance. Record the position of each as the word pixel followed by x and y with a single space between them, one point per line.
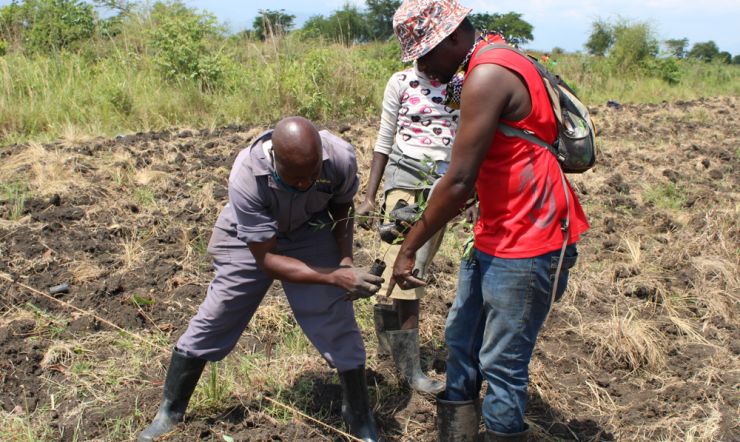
pixel 164 349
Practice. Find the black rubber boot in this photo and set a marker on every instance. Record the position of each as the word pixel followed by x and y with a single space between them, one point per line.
pixel 182 377
pixel 492 436
pixel 386 318
pixel 356 411
pixel 405 350
pixel 457 421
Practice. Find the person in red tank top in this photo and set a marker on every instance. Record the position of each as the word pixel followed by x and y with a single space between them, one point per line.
pixel 504 289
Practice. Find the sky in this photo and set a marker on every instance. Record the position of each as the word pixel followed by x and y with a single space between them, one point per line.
pixel 562 23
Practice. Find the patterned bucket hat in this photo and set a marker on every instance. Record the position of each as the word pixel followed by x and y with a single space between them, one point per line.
pixel 420 25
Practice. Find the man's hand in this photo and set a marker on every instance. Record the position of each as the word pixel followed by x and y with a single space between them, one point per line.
pixel 403 272
pixel 357 282
pixel 471 214
pixel 364 214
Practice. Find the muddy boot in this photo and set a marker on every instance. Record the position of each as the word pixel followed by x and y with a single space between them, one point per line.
pixel 356 411
pixel 492 436
pixel 386 318
pixel 457 421
pixel 182 377
pixel 405 351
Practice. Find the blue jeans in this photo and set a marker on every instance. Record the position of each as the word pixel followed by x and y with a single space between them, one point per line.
pixel 492 328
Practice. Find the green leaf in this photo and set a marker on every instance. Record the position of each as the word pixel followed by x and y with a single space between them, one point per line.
pixel 141 301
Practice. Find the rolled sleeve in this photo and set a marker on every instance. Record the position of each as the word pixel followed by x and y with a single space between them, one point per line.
pixel 254 223
pixel 344 171
pixel 348 190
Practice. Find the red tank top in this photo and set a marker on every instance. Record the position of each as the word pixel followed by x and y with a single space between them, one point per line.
pixel 522 200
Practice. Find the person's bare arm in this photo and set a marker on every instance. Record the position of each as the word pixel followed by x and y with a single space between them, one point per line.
pixel 285 268
pixel 344 229
pixel 364 212
pixel 487 95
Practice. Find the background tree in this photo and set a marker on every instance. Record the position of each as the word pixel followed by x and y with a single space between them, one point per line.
pixel 11 25
pixel 557 50
pixel 380 17
pixel 634 44
pixel 122 6
pixel 724 57
pixel 515 30
pixel 346 25
pixel 269 23
pixel 47 25
pixel 601 38
pixel 677 47
pixel 705 51
pixel 736 59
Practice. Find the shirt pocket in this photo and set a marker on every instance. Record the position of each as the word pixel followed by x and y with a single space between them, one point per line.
pixel 317 202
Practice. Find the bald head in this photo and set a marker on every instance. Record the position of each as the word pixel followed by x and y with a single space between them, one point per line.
pixel 298 154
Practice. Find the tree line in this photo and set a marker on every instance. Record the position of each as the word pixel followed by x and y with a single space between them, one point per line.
pixel 50 25
pixel 351 24
pixel 617 38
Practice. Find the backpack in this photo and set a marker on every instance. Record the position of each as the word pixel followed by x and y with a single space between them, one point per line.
pixel 575 146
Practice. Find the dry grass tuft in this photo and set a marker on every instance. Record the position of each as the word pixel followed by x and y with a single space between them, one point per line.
pixel 132 253
pixel 627 340
pixel 83 271
pixel 58 353
pixel 46 171
pixel 149 177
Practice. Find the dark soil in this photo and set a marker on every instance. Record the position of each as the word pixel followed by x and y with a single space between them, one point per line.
pixel 93 225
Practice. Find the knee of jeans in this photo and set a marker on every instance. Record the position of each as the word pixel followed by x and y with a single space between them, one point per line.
pixel 454 338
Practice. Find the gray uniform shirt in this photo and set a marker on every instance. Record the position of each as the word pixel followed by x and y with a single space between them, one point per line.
pixel 259 208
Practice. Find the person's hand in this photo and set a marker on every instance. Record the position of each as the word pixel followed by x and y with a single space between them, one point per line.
pixel 403 272
pixel 471 214
pixel 363 214
pixel 358 283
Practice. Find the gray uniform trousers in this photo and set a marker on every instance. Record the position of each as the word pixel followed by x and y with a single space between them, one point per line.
pixel 239 286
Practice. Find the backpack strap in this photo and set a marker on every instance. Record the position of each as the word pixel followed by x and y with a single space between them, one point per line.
pixel 565 228
pixel 511 131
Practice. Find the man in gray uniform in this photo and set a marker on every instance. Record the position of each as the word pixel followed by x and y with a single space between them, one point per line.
pixel 289 217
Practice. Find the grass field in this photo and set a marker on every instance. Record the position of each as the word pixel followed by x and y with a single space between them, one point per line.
pixel 642 347
pixel 117 86
pixel 114 166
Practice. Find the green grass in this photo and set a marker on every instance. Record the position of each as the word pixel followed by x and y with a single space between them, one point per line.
pixel 44 97
pixel 596 81
pixel 144 196
pixel 665 196
pixel 115 86
pixel 15 195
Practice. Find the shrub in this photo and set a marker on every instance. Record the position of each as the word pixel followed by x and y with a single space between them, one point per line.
pixel 48 25
pixel 634 44
pixel 667 69
pixel 180 37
